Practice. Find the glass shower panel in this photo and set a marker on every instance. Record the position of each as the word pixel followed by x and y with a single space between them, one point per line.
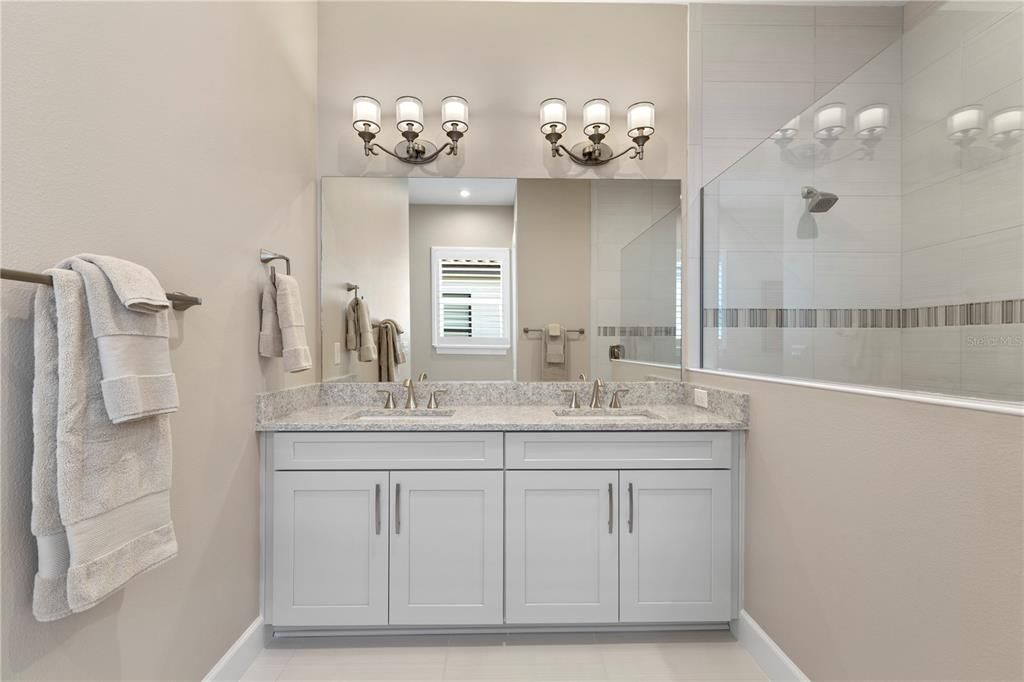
pixel 651 325
pixel 914 278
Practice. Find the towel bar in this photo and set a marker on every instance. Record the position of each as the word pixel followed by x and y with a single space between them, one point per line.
pixel 179 301
pixel 580 331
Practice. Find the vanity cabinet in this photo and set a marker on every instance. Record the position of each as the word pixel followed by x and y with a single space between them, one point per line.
pixel 446 548
pixel 330 558
pixel 478 529
pixel 562 544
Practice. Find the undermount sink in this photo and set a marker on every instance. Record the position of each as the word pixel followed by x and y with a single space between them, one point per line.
pixel 378 414
pixel 601 413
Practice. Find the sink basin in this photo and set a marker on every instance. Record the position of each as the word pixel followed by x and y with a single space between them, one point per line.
pixel 605 414
pixel 380 414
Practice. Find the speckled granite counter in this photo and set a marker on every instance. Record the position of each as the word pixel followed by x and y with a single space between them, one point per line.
pixel 498 406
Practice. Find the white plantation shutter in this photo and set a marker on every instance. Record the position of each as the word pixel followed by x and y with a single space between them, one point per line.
pixel 471 300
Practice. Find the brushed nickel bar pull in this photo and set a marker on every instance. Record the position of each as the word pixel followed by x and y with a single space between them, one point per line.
pixel 179 301
pixel 630 521
pixel 611 508
pixel 376 508
pixel 398 509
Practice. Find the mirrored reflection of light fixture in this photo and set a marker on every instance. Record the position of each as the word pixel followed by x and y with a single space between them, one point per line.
pixel 409 121
pixel 872 121
pixel 830 121
pixel 965 123
pixel 788 131
pixel 596 125
pixel 1006 126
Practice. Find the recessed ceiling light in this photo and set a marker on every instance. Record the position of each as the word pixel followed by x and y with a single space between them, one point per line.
pixel 464 193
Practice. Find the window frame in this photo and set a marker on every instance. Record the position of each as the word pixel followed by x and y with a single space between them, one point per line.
pixel 468 345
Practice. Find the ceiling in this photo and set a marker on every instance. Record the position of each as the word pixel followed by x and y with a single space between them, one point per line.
pixel 445 191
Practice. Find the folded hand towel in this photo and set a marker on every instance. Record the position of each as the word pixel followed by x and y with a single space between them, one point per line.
pixel 554 361
pixel 136 286
pixel 554 329
pixel 128 315
pixel 295 350
pixel 134 355
pixel 351 331
pixel 112 479
pixel 367 344
pixel 270 329
pixel 389 349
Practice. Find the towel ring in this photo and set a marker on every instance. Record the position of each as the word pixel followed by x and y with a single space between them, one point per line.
pixel 268 256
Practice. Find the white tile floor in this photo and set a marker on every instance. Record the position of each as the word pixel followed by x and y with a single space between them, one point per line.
pixel 636 657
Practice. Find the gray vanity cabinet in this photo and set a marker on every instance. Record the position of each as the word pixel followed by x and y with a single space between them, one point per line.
pixel 330 558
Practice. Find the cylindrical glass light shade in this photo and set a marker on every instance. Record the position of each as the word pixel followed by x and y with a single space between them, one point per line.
pixel 597 117
pixel 409 114
pixel 965 122
pixel 553 115
pixel 1007 125
pixel 366 114
pixel 788 131
pixel 872 120
pixel 830 121
pixel 454 114
pixel 640 119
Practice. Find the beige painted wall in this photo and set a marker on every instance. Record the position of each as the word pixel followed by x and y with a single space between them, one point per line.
pixel 505 57
pixel 181 136
pixel 883 537
pixel 365 241
pixel 439 225
pixel 552 269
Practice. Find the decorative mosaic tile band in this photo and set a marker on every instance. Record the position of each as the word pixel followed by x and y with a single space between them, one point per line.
pixel 637 331
pixel 1009 311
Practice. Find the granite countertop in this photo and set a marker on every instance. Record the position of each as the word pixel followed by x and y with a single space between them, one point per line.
pixel 679 417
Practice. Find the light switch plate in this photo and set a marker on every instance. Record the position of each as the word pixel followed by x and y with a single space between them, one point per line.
pixel 700 397
pixel 337 352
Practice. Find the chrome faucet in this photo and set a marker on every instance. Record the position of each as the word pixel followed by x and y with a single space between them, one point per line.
pixel 410 399
pixel 595 397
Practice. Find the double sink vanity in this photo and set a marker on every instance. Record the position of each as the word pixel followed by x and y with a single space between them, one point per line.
pixel 503 508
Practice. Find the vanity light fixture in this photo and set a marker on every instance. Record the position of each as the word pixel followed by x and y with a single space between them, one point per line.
pixel 965 124
pixel 464 193
pixel 409 120
pixel 788 131
pixel 830 121
pixel 597 114
pixel 1006 126
pixel 872 121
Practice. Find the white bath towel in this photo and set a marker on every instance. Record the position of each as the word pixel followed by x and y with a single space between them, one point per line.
pixel 294 348
pixel 128 314
pixel 270 330
pixel 359 330
pixel 112 480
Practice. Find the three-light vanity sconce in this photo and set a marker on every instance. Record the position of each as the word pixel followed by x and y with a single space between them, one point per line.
pixel 963 125
pixel 366 117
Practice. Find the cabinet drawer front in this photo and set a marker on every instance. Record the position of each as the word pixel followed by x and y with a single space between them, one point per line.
pixel 589 450
pixel 312 450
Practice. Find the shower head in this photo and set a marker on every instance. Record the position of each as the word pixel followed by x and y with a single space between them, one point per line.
pixel 817 201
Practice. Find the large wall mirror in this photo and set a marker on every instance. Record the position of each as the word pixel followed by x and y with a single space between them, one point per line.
pixel 497 279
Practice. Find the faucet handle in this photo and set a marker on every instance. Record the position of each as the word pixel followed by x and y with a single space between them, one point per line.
pixel 616 402
pixel 583 377
pixel 432 403
pixel 574 401
pixel 422 376
pixel 389 404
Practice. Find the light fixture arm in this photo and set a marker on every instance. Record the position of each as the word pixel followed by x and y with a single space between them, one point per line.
pixel 416 152
pixel 596 141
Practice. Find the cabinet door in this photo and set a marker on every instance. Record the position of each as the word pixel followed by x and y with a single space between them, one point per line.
pixel 676 546
pixel 446 548
pixel 330 548
pixel 562 545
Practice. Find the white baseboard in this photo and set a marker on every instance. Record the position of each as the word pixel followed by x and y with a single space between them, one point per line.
pixel 772 659
pixel 237 659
